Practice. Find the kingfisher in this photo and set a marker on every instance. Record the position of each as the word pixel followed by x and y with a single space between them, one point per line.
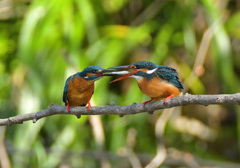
pixel 155 81
pixel 79 87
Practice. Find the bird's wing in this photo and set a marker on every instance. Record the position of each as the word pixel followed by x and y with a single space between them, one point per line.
pixel 65 90
pixel 165 72
pixel 170 75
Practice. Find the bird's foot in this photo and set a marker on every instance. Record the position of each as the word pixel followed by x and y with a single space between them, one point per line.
pixel 144 103
pixel 166 99
pixel 68 107
pixel 89 106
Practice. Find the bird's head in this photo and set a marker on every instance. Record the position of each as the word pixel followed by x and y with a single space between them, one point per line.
pixel 141 69
pixel 93 73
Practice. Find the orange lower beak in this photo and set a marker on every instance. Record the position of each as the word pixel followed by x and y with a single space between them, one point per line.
pixel 123 77
pixel 123 72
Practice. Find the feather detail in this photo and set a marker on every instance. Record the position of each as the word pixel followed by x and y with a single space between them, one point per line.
pixel 170 75
pixel 77 91
pixel 158 88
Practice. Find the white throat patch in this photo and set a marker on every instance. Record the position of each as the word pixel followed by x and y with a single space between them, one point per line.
pixel 137 77
pixel 151 71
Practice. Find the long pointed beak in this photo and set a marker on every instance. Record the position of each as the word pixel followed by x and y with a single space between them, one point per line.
pixel 114 73
pixel 106 72
pixel 123 77
pixel 121 67
pixel 122 72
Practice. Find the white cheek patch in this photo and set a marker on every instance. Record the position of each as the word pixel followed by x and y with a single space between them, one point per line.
pixel 151 71
pixel 119 73
pixel 85 77
pixel 137 77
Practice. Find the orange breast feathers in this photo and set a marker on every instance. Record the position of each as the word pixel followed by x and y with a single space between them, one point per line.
pixel 79 91
pixel 158 88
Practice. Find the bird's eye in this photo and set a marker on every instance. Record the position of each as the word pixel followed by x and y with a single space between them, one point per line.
pixel 133 66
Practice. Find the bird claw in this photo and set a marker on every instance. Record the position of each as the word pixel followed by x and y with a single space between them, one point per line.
pixel 68 107
pixel 89 106
pixel 144 103
pixel 166 99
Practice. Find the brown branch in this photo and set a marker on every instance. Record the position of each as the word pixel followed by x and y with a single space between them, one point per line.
pixel 188 99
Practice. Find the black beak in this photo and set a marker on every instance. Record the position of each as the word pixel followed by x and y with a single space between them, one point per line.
pixel 121 67
pixel 106 72
pixel 128 74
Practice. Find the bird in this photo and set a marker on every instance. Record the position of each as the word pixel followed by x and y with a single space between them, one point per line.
pixel 79 87
pixel 155 81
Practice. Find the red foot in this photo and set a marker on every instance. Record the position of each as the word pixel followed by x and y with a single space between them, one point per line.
pixel 89 106
pixel 68 107
pixel 166 99
pixel 147 102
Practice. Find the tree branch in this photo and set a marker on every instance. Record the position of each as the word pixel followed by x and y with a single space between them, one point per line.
pixel 185 100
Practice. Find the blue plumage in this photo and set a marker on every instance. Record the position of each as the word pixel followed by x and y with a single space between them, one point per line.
pixel 66 89
pixel 170 75
pixel 154 80
pixel 163 72
pixel 88 75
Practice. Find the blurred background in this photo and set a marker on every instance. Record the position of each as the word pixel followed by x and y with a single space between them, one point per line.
pixel 42 42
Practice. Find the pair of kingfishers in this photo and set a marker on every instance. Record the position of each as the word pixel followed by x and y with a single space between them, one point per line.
pixel 155 81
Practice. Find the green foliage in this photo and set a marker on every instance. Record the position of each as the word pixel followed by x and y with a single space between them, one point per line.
pixel 57 38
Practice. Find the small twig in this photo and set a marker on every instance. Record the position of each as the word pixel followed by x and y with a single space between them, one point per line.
pixel 126 110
